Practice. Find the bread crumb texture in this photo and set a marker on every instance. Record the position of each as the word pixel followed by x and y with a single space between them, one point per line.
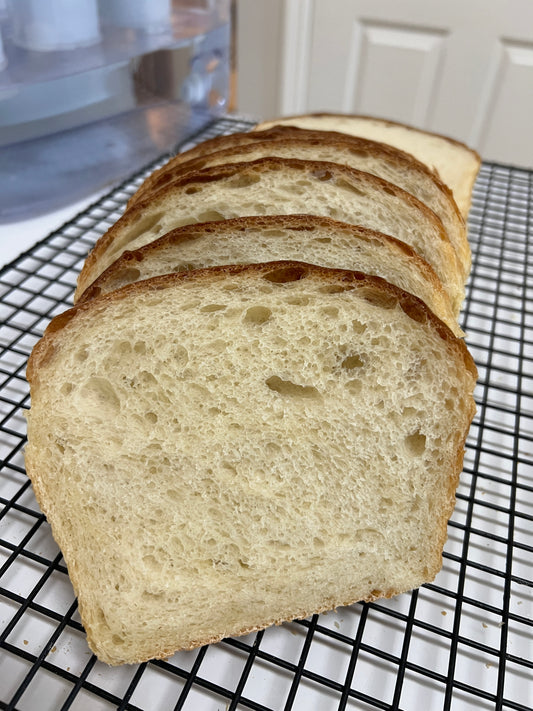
pixel 230 451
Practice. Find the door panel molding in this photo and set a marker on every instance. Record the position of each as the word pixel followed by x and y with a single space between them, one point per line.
pixel 416 55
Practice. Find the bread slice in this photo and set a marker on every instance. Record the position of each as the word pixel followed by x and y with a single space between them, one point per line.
pixel 282 186
pixel 223 449
pixel 377 158
pixel 306 238
pixel 456 163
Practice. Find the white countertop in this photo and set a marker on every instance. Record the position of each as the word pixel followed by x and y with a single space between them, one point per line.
pixel 17 237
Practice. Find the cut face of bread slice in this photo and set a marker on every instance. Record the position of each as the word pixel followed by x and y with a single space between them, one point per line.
pixel 223 449
pixel 282 186
pixel 245 240
pixel 456 164
pixel 377 158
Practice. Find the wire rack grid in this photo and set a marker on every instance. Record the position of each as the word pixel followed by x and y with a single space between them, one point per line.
pixel 463 642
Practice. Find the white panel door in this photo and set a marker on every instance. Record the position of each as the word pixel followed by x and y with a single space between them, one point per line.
pixel 463 67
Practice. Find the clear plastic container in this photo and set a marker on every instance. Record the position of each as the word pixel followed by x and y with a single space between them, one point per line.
pixel 88 99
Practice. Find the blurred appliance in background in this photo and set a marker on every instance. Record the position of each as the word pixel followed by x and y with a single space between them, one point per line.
pixel 93 90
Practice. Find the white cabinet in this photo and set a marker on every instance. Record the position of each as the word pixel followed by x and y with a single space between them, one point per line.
pixel 464 67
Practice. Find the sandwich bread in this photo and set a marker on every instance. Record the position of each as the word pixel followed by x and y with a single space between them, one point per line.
pixel 245 240
pixel 378 159
pixel 222 449
pixel 282 186
pixel 456 163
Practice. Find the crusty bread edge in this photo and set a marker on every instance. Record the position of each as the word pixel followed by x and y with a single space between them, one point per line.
pixel 385 122
pixel 414 307
pixel 293 222
pixel 230 169
pixel 283 133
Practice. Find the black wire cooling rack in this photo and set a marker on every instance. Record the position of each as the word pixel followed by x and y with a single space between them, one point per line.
pixel 463 642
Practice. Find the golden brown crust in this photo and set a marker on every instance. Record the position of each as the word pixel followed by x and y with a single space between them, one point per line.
pixel 376 289
pixel 323 170
pixel 291 137
pixel 385 122
pixel 242 224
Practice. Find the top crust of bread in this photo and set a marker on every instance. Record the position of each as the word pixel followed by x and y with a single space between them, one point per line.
pixel 245 240
pixel 376 158
pixel 160 176
pixel 460 178
pixel 111 245
pixel 265 125
pixel 288 271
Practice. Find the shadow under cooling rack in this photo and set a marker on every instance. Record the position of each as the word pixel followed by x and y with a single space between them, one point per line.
pixel 463 642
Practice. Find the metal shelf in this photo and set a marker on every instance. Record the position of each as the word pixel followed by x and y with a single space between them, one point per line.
pixel 463 642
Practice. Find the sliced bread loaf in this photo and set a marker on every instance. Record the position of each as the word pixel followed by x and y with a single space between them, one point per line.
pixel 282 186
pixel 305 238
pixel 456 163
pixel 223 449
pixel 377 158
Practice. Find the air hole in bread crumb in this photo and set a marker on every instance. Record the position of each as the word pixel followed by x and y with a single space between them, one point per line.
pixel 143 224
pixel 288 388
pixel 358 152
pixel 330 311
pixel 350 187
pixel 414 310
pixel 283 275
pixel 151 417
pixel 272 448
pixel 151 562
pixel 257 315
pixel 122 348
pixel 127 275
pixel 181 354
pixel 210 216
pixel 323 175
pixel 192 190
pixel 416 444
pixel 297 300
pixel 335 288
pixel 322 240
pixel 244 181
pixel 210 308
pixel 190 305
pixel 354 386
pixel 273 233
pixel 185 267
pixel 352 361
pixel 409 412
pixel 100 397
pixel 380 298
